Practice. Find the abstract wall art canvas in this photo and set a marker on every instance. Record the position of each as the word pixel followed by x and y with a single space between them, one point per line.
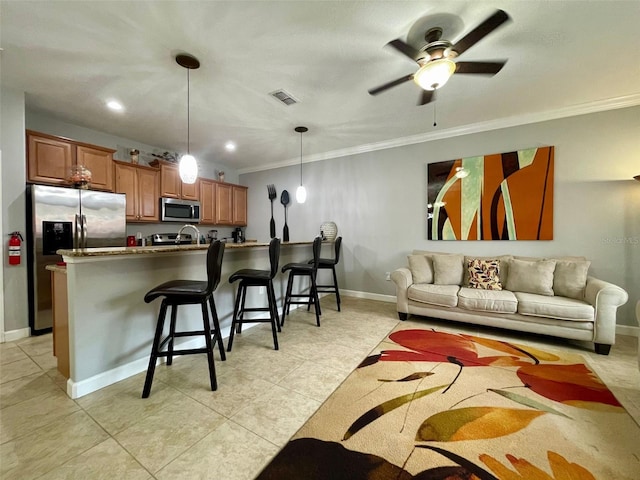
pixel 503 196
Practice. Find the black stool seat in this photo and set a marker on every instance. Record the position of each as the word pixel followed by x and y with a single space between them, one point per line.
pixel 181 289
pixel 257 278
pixel 330 264
pixel 249 275
pixel 303 269
pixel 188 292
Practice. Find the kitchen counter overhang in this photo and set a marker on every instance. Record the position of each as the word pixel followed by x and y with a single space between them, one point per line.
pixel 111 328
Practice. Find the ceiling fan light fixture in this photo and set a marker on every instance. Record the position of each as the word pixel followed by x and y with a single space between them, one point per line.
pixel 434 74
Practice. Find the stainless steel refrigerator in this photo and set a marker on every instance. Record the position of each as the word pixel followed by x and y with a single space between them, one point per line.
pixel 65 218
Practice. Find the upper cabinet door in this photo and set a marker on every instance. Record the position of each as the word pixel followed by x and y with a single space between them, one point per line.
pixel 148 203
pixel 169 180
pixel 127 183
pixel 207 202
pixel 48 159
pixel 100 164
pixel 239 205
pixel 190 191
pixel 224 204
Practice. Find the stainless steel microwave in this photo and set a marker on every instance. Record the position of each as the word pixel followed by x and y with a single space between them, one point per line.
pixel 176 210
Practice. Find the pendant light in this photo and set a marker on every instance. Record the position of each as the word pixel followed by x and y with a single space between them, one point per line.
pixel 188 167
pixel 301 192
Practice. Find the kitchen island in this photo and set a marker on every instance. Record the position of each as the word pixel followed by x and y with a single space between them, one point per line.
pixel 111 328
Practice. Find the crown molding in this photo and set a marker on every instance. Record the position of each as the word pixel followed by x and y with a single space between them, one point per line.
pixel 514 121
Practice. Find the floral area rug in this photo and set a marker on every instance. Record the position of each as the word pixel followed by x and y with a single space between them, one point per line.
pixel 433 406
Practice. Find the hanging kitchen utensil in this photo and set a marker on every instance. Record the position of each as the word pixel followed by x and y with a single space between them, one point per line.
pixel 284 200
pixel 271 189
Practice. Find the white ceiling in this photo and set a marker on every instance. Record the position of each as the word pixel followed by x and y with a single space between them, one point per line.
pixel 71 57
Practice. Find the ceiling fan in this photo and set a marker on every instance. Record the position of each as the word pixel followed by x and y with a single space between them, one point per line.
pixel 435 58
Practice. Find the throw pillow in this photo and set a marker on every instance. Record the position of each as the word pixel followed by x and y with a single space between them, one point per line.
pixel 504 266
pixel 570 278
pixel 421 268
pixel 448 269
pixel 484 274
pixel 531 277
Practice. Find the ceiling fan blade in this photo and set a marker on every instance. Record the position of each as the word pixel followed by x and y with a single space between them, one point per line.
pixel 482 68
pixel 427 97
pixel 481 31
pixel 386 86
pixel 404 48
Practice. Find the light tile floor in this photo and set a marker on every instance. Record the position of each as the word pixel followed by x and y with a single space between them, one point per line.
pixel 183 430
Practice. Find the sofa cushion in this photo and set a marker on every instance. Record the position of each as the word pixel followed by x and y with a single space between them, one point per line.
pixel 554 307
pixel 531 277
pixel 502 301
pixel 570 278
pixel 484 274
pixel 447 269
pixel 504 267
pixel 442 295
pixel 421 268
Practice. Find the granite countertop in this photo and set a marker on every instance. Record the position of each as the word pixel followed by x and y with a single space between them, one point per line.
pixel 107 251
pixel 57 268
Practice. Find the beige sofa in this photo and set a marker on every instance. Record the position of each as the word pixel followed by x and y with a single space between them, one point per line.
pixel 550 296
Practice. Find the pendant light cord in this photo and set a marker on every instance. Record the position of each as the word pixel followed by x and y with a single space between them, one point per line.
pixel 188 119
pixel 301 158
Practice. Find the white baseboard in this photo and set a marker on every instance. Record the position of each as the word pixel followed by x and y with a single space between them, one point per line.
pixel 369 296
pixel 104 379
pixel 12 335
pixel 628 330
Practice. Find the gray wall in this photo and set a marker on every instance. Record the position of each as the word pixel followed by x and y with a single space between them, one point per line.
pixel 13 206
pixel 378 200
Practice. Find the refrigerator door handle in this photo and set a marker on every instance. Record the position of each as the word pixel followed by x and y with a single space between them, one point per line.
pixel 85 231
pixel 76 232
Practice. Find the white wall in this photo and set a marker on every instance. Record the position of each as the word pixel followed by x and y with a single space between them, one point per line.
pixel 378 200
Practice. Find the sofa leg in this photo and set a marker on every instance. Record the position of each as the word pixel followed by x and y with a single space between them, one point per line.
pixel 603 348
pixel 403 316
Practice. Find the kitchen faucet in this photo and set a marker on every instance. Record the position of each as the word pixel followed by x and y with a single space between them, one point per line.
pixel 188 225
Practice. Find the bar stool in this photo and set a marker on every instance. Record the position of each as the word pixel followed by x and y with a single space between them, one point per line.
pixel 257 278
pixel 330 263
pixel 303 269
pixel 188 292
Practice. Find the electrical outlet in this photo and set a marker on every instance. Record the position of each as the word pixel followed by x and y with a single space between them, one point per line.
pixel 387 276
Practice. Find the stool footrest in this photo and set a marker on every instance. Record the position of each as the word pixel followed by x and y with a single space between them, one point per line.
pixel 189 351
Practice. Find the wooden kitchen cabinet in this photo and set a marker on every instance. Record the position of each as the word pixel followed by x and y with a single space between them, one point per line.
pixel 99 161
pixel 170 184
pixel 239 212
pixel 224 204
pixel 49 158
pixel 207 201
pixel 230 204
pixel 141 185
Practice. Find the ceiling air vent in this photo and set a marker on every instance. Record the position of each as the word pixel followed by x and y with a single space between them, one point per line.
pixel 284 97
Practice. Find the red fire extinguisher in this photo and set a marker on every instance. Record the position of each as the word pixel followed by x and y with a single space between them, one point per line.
pixel 14 248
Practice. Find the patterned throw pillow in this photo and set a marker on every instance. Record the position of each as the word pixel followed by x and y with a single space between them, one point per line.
pixel 484 274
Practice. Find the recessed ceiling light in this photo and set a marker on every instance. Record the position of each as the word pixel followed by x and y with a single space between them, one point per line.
pixel 115 105
pixel 230 147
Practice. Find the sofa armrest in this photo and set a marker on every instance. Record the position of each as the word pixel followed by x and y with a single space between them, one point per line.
pixel 605 298
pixel 403 279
